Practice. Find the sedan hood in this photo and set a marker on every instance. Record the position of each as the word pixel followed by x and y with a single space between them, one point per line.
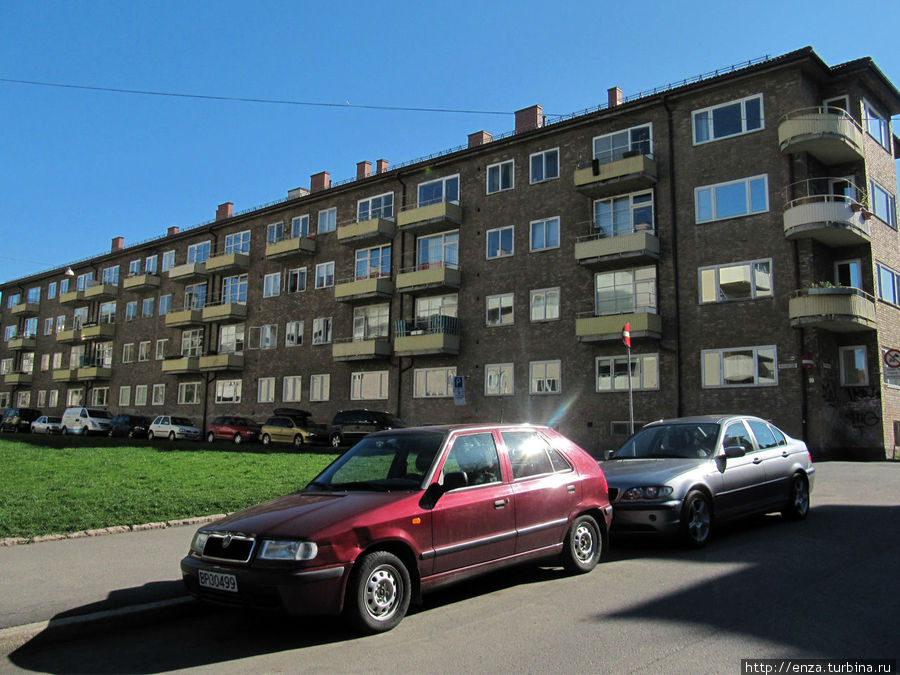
pixel 628 472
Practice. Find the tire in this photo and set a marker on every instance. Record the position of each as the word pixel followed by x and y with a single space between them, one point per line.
pixel 298 441
pixel 131 433
pixel 378 594
pixel 797 506
pixel 210 437
pixel 110 434
pixel 266 439
pixel 172 436
pixel 336 441
pixel 237 439
pixel 84 431
pixel 583 546
pixel 696 520
pixel 149 435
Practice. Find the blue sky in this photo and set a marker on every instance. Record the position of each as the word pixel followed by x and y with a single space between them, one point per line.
pixel 79 167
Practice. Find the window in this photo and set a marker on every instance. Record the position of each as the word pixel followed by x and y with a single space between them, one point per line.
pixel 162 345
pixel 231 338
pixel 530 455
pixel 265 390
pixel 228 391
pixel 45 362
pixel 327 220
pixel 103 354
pixel 437 250
pixel 147 307
pixel 300 226
pixel 165 304
pixel 192 342
pixel 371 321
pixel 60 323
pixel 264 337
pixel 195 296
pixel 545 304
pixel 325 275
pixel 234 289
pixel 27 363
pixel 296 280
pixel 124 395
pixel 100 396
pixel 140 394
pixel 292 389
pixel 57 360
pixel 168 262
pixel 321 330
pixel 53 398
pixel 130 310
pixel 23 399
pixel 33 296
pixel 63 286
pixel 854 366
pixel 498 379
pixel 188 393
pixel 728 119
pixel 274 233
pixel 612 372
pixel 75 397
pixel 239 242
pixel 150 264
pixel 48 326
pixel 499 310
pixel 500 243
pixel 272 285
pixel 440 190
pixel 134 268
pixel 732 199
pixel 433 382
pixel 10 333
pixel 111 275
pixel 51 290
pixel 144 350
pixel 884 204
pixel 128 352
pixel 615 146
pixel 80 317
pixel 544 234
pixel 6 366
pixel 624 214
pixel 82 281
pixel 41 398
pixel 436 305
pixel 888 285
pixel 501 176
pixel 847 273
pixel 544 165
pixel 877 126
pixel 319 387
pixel 625 291
pixel 197 253
pixel 738 281
pixel 293 334
pixel 544 376
pixel 373 262
pixel 4 399
pixel 739 367
pixel 30 327
pixel 369 386
pixel 381 206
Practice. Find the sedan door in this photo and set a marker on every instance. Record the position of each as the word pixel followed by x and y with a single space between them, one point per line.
pixel 777 461
pixel 744 477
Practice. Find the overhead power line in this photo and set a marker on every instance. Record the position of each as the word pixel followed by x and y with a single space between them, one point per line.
pixel 243 99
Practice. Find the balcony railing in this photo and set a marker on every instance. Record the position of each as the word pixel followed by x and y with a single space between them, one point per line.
pixel 291 247
pixel 15 379
pixel 433 335
pixel 376 285
pixel 187 272
pixel 97 290
pixel 361 348
pixel 228 310
pixel 141 282
pixel 429 276
pixel 23 343
pixel 181 364
pixel 225 361
pixel 829 134
pixel 228 260
pixel 838 309
pixel 429 218
pixel 191 315
pixel 374 230
pixel 644 322
pixel 626 173
pixel 813 210
pixel 623 246
pixel 26 309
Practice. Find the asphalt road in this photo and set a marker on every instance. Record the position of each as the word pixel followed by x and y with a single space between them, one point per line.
pixel 766 588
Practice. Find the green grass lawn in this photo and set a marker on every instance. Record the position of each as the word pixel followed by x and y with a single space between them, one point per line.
pixel 57 485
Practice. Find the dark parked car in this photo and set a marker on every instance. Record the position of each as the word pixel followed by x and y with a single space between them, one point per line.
pixel 349 426
pixel 19 419
pixel 686 475
pixel 133 426
pixel 236 429
pixel 404 512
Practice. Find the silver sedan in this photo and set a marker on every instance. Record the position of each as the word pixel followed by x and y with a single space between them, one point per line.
pixel 683 476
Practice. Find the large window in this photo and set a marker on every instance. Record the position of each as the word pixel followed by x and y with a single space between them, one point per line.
pixel 373 262
pixel 264 337
pixel 501 176
pixel 300 226
pixel 612 372
pixel 107 312
pixel 231 338
pixel 544 165
pixel 159 395
pixel 854 366
pixel 877 125
pixel 739 367
pixel 265 390
pixel 625 291
pixel 615 146
pixel 544 234
pixel 272 285
pixel 498 379
pixel 296 280
pixel 371 321
pixel 293 333
pixel 192 342
pixel 737 281
pixel 189 393
pixel 499 310
pixel 111 275
pixel 624 214
pixel 321 330
pixel 434 382
pixel 319 387
pixel 327 220
pixel 732 199
pixel 438 249
pixel 197 253
pixel 728 119
pixel 440 190
pixel 544 376
pixel 884 204
pixel 888 285
pixel 500 242
pixel 234 289
pixel 239 242
pixel 292 388
pixel 325 275
pixel 436 305
pixel 228 391
pixel 369 386
pixel 381 206
pixel 274 232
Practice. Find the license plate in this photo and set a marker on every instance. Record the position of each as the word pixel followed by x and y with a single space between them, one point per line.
pixel 218 581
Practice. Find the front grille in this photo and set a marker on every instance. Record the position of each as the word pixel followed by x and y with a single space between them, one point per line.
pixel 613 493
pixel 229 547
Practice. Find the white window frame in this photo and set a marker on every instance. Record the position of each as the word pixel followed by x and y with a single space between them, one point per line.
pixel 540 383
pixel 100 396
pixel 151 264
pixel 128 352
pixel 720 354
pixel 497 170
pixel 713 274
pixel 293 333
pixel 134 268
pixel 877 194
pixel 272 285
pixel 275 232
pixel 378 206
pixel 131 308
pixel 75 396
pixel 545 222
pixel 504 374
pixel 140 395
pixel 162 346
pixel 199 252
pixel 325 274
pixel 322 327
pixel 640 375
pixel 433 382
pixel 617 152
pixel 147 305
pixel 361 381
pixel 238 242
pixel 320 387
pixel 110 275
pixel 51 290
pixel 292 388
pixel 543 156
pixel 845 381
pixel 165 304
pixel 300 226
pixel 882 125
pixel 189 393
pixel 710 127
pixel 168 260
pixel 444 192
pixel 748 197
pixel 327 220
pixel 619 229
pixel 498 232
pixel 496 304
pixel 265 390
pixel 228 391
pixel 545 293
pixel 143 351
pixel 300 274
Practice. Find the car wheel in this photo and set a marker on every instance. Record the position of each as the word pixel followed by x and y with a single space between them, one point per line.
pixel 378 594
pixel 149 435
pixel 336 440
pixel 583 546
pixel 210 437
pixel 110 433
pixel 696 519
pixel 84 431
pixel 63 430
pixel 298 441
pixel 171 435
pixel 798 499
pixel 130 433
pixel 266 439
pixel 237 439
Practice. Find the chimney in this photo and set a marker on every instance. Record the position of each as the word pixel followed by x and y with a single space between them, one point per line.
pixel 172 230
pixel 480 138
pixel 363 170
pixel 319 181
pixel 615 96
pixel 529 118
pixel 118 243
pixel 381 166
pixel 224 211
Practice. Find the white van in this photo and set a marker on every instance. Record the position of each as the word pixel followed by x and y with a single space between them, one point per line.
pixel 84 420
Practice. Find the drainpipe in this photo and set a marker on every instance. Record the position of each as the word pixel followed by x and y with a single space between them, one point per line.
pixel 398 260
pixel 804 379
pixel 673 214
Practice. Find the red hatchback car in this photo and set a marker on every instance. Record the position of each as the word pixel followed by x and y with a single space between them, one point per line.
pixel 404 512
pixel 235 429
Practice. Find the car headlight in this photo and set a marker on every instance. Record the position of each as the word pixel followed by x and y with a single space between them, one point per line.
pixel 199 542
pixel 273 549
pixel 646 492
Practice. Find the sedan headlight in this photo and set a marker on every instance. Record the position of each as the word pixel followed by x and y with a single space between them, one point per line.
pixel 199 542
pixel 646 492
pixel 273 549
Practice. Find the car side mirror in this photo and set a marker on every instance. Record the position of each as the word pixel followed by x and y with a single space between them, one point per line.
pixel 607 454
pixel 738 450
pixel 454 480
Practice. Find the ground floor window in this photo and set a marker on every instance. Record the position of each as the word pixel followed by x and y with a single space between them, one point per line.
pixel 854 366
pixel 319 387
pixel 228 391
pixel 265 390
pixel 739 367
pixel 498 379
pixel 545 377
pixel 292 388
pixel 188 393
pixel 613 372
pixel 371 385
pixel 434 382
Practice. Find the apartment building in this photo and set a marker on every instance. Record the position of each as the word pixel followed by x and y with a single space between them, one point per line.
pixel 743 224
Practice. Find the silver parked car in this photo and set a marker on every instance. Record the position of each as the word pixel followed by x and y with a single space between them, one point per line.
pixel 171 427
pixel 683 476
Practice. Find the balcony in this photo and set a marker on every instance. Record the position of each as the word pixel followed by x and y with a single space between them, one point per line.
pixel 837 309
pixel 90 373
pixel 98 331
pixel 429 276
pixel 352 349
pixel 633 171
pixel 69 336
pixel 16 379
pixel 185 317
pixel 291 248
pixel 26 309
pixel 601 250
pixel 141 282
pixel 374 231
pixel 830 135
pixel 26 343
pixel 226 312
pixel 430 218
pixel 71 297
pixel 188 272
pixel 831 219
pixel 181 365
pixel 645 324
pixel 101 292
pixel 356 290
pixel 216 362
pixel 227 263
pixel 436 335
pixel 64 374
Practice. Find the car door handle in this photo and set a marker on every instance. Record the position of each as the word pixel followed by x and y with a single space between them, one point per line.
pixel 500 503
pixel 785 454
pixel 757 460
pixel 570 489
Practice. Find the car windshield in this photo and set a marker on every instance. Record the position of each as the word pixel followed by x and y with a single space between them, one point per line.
pixel 694 440
pixel 383 462
pixel 182 421
pixel 245 421
pixel 101 414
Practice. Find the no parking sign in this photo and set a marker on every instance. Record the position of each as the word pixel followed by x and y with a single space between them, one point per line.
pixel 892 358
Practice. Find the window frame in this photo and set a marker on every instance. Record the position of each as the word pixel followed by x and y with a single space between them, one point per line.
pixel 272 285
pixel 320 387
pixel 748 196
pixel 721 352
pixel 710 122
pixel 501 252
pixel 499 309
pixel 447 372
pixel 716 269
pixel 872 113
pixel 327 279
pixel 631 143
pixel 326 220
pixel 534 390
pixel 498 167
pixel 502 370
pixel 543 155
pixel 357 385
pixel 641 369
pixel 865 360
pixel 376 212
pixel 544 222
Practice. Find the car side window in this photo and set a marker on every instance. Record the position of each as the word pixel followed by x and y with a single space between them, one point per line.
pixel 476 456
pixel 736 435
pixel 763 433
pixel 779 437
pixel 528 454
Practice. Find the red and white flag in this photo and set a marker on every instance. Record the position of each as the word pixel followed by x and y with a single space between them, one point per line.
pixel 626 335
